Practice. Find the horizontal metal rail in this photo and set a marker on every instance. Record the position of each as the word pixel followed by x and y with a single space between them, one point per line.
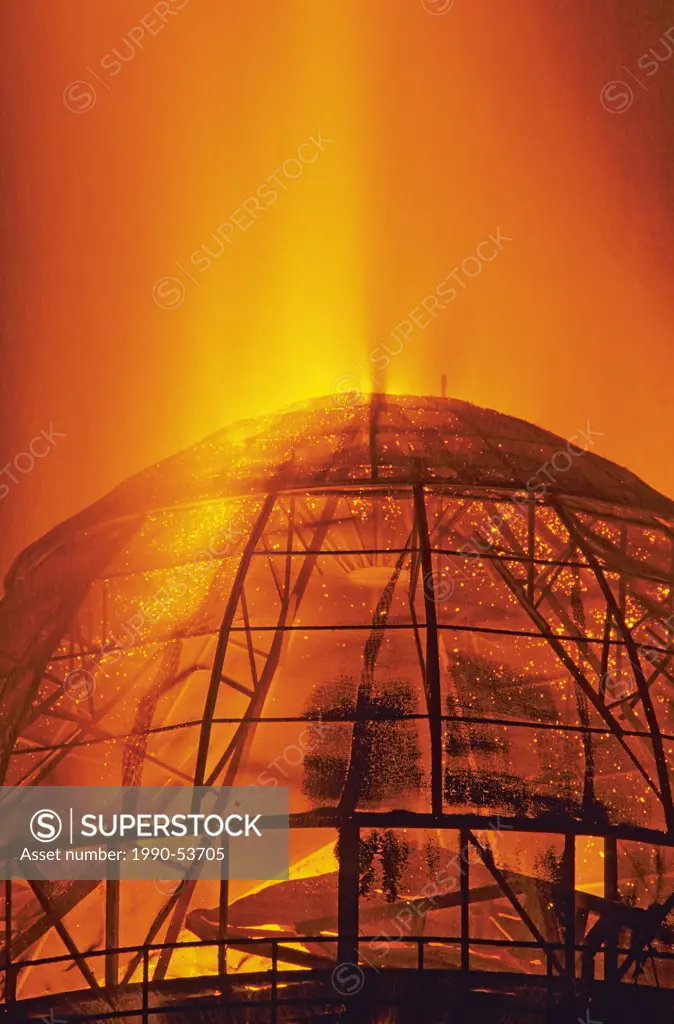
pixel 362 627
pixel 272 949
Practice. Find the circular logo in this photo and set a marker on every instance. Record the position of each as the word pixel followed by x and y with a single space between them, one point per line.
pixel 613 685
pixel 79 97
pixel 437 6
pixel 169 292
pixel 79 684
pixel 348 979
pixel 46 826
pixel 168 887
pixel 348 391
pixel 438 586
pixel 617 97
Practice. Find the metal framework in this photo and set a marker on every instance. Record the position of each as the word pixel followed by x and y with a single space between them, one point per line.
pixel 457 624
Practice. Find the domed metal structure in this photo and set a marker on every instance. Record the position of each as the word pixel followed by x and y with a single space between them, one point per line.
pixel 446 630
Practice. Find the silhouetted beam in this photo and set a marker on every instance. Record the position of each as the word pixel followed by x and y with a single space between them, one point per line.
pixel 494 553
pixel 111 931
pixel 378 714
pixel 249 639
pixel 239 687
pixel 223 914
pixel 605 649
pixel 568 902
pixel 272 570
pixel 49 763
pixel 359 756
pixel 570 664
pixel 179 899
pixel 208 932
pixel 464 897
pixel 556 605
pixel 223 637
pixel 173 930
pixel 414 582
pixel 448 626
pixel 531 551
pixel 488 861
pixel 20 687
pixel 179 902
pixel 290 608
pixel 549 584
pixel 237 643
pixel 643 936
pixel 10 978
pixel 611 893
pixel 63 933
pixel 26 935
pixel 432 678
pixel 616 559
pixel 427 904
pixel 649 711
pixel 287 955
pixel 547 822
pixel 347 893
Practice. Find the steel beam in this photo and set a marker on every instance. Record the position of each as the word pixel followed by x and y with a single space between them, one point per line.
pixel 432 678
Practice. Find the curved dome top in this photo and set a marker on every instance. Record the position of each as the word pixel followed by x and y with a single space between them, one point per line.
pixel 284 604
pixel 378 439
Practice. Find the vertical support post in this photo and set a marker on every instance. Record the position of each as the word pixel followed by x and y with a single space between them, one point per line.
pixel 627 640
pixel 10 976
pixel 223 910
pixel 605 653
pixel 622 603
pixel 465 899
pixel 432 680
pixel 112 932
pixel 421 1013
pixel 274 980
pixel 611 893
pixel 223 640
pixel 145 1016
pixel 347 898
pixel 531 551
pixel 670 596
pixel 569 902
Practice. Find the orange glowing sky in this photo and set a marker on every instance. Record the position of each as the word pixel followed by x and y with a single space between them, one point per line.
pixel 445 127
